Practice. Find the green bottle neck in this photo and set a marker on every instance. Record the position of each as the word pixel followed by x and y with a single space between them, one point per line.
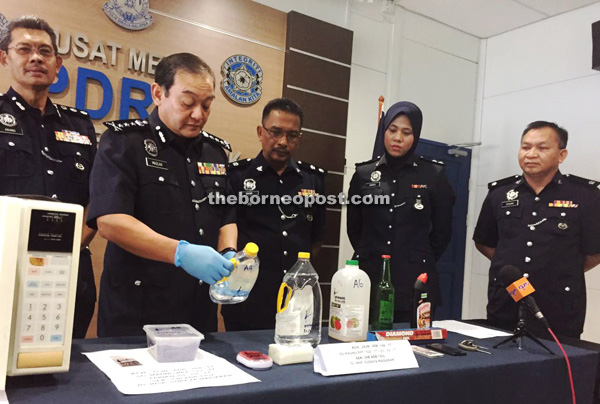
pixel 386 274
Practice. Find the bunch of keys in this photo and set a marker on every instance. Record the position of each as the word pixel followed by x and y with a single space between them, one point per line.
pixel 469 345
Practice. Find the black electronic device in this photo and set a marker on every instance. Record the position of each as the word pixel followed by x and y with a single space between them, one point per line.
pixel 446 349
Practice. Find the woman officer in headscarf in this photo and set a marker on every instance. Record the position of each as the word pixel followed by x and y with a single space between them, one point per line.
pixel 416 226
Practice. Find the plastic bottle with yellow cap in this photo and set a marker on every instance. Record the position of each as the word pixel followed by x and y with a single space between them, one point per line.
pixel 299 305
pixel 237 286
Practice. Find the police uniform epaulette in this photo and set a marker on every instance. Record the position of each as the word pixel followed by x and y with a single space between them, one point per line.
pixel 582 180
pixel 239 163
pixel 504 181
pixel 223 143
pixel 126 124
pixel 362 163
pixel 311 167
pixel 72 110
pixel 441 163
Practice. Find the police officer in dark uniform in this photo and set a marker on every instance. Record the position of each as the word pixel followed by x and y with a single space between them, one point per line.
pixel 415 227
pixel 150 192
pixel 45 148
pixel 280 230
pixel 546 224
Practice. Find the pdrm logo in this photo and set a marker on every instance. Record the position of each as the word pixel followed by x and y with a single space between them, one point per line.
pixel 242 79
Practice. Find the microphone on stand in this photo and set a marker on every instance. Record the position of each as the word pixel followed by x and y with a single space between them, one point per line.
pixel 519 288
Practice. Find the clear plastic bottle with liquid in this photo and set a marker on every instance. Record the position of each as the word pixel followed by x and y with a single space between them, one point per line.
pixel 299 313
pixel 237 286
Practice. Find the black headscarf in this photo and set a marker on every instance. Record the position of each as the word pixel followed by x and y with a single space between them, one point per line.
pixel 414 114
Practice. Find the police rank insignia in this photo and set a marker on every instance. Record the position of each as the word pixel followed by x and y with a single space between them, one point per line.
pixel 242 79
pixel 70 136
pixel 375 176
pixel 129 14
pixel 150 147
pixel 212 168
pixel 512 195
pixel 249 184
pixel 562 204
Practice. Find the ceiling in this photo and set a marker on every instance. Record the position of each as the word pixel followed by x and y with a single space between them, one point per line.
pixel 486 18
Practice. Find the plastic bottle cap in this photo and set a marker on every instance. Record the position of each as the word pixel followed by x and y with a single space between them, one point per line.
pixel 386 256
pixel 352 262
pixel 304 255
pixel 251 249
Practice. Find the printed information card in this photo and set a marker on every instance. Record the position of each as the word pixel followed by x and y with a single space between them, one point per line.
pixel 135 371
pixel 363 357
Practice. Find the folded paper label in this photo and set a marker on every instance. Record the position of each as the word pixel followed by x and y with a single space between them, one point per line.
pixel 363 357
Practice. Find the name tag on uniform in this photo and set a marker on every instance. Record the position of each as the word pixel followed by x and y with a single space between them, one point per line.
pixel 372 184
pixel 510 204
pixel 70 136
pixel 157 163
pixel 212 168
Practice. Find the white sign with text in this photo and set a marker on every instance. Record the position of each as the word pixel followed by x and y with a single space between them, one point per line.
pixel 363 357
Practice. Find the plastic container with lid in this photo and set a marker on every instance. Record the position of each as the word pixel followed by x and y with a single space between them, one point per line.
pixel 173 342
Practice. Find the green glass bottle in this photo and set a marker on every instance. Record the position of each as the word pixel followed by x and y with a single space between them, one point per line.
pixel 383 306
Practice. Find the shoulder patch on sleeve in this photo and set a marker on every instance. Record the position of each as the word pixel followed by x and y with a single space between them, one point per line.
pixel 239 164
pixel 503 181
pixel 584 181
pixel 311 167
pixel 71 110
pixel 126 125
pixel 362 163
pixel 217 140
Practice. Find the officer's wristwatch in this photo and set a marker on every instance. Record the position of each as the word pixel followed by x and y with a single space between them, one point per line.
pixel 226 250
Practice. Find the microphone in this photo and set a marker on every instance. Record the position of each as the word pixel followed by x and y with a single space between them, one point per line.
pixel 520 288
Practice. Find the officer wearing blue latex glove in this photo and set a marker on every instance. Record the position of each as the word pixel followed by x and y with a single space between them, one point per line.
pixel 203 262
pixel 151 186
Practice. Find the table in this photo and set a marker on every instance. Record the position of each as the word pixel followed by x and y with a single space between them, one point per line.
pixel 508 375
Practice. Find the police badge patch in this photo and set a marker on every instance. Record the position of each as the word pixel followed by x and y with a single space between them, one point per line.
pixel 129 14
pixel 8 120
pixel 150 147
pixel 249 184
pixel 242 79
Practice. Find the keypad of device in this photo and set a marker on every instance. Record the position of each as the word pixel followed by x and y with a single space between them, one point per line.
pixel 43 300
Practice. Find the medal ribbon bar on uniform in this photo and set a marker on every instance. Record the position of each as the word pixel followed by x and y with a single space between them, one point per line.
pixel 71 136
pixel 212 168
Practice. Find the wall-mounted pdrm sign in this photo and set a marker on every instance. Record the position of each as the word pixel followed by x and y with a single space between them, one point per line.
pixel 129 14
pixel 242 78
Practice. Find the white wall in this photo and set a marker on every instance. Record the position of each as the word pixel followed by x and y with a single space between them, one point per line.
pixel 538 72
pixel 407 57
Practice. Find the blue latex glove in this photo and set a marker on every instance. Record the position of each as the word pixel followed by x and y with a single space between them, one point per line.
pixel 229 255
pixel 202 262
